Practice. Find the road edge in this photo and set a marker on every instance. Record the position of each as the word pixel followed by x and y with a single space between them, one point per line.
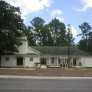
pixel 42 77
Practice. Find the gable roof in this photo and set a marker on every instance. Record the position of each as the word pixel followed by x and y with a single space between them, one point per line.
pixel 57 50
pixel 34 50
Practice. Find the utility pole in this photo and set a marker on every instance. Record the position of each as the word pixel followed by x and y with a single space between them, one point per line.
pixel 68 29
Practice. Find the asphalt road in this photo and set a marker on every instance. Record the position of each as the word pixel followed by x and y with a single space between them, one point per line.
pixel 45 85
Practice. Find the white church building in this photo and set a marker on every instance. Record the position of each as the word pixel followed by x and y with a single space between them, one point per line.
pixel 45 56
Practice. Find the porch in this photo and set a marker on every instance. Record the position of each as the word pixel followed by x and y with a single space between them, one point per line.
pixel 60 62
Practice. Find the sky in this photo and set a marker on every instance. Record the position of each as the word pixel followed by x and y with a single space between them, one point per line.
pixel 73 12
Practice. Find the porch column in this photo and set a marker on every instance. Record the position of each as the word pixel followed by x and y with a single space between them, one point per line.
pixel 71 61
pixel 23 61
pixel 64 62
pixel 49 61
pixel 57 61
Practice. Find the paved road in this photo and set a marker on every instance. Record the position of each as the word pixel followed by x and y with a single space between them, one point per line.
pixel 45 85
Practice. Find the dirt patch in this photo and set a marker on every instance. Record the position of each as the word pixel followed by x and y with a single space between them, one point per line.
pixel 58 72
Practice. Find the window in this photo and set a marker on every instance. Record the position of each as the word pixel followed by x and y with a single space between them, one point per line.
pixel 31 58
pixel 80 63
pixel 52 60
pixel 7 58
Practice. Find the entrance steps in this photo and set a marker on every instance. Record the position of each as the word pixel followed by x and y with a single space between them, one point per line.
pixel 43 66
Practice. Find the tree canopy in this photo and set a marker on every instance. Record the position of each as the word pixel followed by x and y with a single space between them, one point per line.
pixel 52 34
pixel 86 41
pixel 11 26
pixel 58 31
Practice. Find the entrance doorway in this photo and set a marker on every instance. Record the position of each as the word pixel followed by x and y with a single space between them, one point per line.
pixel 74 62
pixel 20 61
pixel 43 61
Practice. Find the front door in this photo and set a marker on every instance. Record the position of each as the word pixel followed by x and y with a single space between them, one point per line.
pixel 20 61
pixel 43 61
pixel 74 62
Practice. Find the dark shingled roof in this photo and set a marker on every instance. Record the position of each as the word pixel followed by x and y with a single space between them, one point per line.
pixel 57 50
